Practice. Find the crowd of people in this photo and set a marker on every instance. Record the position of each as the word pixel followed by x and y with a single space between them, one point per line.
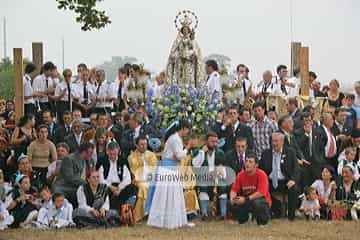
pixel 82 153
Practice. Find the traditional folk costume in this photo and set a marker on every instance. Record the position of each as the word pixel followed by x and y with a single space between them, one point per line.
pixel 7 219
pixel 189 183
pixel 116 174
pixel 141 164
pixel 52 217
pixel 24 211
pixel 206 164
pixel 165 202
pixel 88 200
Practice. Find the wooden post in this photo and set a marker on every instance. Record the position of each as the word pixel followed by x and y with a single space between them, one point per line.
pixel 295 57
pixel 18 79
pixel 304 71
pixel 37 55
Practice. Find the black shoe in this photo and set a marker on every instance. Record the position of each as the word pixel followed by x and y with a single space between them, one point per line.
pixel 191 216
pixel 205 218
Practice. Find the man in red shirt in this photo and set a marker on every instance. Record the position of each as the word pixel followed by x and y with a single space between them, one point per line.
pixel 250 193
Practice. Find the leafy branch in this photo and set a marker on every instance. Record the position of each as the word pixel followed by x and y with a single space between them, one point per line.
pixel 87 14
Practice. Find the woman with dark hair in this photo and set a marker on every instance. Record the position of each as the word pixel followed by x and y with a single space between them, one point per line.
pixel 165 202
pixel 42 152
pixel 21 206
pixel 325 188
pixel 23 135
pixel 100 142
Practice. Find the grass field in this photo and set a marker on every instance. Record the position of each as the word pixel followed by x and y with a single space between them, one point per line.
pixel 210 230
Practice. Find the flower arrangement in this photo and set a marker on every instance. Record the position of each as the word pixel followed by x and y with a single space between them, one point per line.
pixel 196 105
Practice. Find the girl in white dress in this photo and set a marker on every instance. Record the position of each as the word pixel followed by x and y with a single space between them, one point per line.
pixel 165 202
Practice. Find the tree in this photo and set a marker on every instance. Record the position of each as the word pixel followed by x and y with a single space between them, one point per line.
pixel 111 67
pixel 86 12
pixel 7 85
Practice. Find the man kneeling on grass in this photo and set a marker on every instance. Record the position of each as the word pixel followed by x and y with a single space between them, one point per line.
pixel 250 193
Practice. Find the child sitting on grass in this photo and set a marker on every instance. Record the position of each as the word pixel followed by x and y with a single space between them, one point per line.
pixel 310 204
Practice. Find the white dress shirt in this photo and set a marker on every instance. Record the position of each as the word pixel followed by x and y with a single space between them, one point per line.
pixel 213 83
pixel 270 87
pixel 81 198
pixel 158 90
pixel 103 91
pixel 28 90
pixel 199 159
pixel 63 215
pixel 61 87
pixel 115 86
pixel 90 88
pixel 113 176
pixel 174 148
pixel 137 132
pixel 78 138
pixel 293 91
pixel 42 84
pixel 277 156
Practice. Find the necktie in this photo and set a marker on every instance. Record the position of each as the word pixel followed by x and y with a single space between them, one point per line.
pixel 331 151
pixel 83 170
pixel 241 161
pixel 98 89
pixel 310 144
pixel 47 83
pixel 289 138
pixel 275 177
pixel 120 91
pixel 283 89
pixel 85 93
pixel 69 92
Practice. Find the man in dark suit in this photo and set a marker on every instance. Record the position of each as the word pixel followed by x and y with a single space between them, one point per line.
pixel 63 130
pixel 75 138
pixel 232 129
pixel 342 128
pixel 236 158
pixel 52 126
pixel 311 140
pixel 286 125
pixel 280 164
pixel 137 128
pixel 293 109
pixel 73 172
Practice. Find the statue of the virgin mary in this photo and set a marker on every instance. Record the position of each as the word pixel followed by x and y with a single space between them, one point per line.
pixel 184 66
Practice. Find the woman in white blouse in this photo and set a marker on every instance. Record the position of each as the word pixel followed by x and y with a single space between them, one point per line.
pixel 165 202
pixel 325 187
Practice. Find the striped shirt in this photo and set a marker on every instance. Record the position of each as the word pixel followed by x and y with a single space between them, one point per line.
pixel 262 131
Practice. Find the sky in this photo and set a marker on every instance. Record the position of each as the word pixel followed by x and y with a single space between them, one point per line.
pixel 254 32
